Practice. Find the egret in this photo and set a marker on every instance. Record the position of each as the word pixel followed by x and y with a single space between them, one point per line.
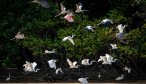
pixel 18 36
pixel 83 80
pixel 127 69
pixel 69 17
pixel 72 64
pixel 120 77
pixel 86 62
pixel 107 59
pixel 43 3
pixel 70 38
pixel 79 8
pixel 63 10
pixel 99 75
pixel 57 70
pixel 52 63
pixel 121 27
pixel 8 78
pixel 89 28
pixel 30 67
pixel 106 22
pixel 50 52
pixel 114 46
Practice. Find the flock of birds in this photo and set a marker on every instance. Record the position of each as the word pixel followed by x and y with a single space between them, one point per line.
pixel 107 59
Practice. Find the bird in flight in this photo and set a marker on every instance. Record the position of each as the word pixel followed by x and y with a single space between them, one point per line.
pixel 79 8
pixel 86 62
pixel 52 63
pixel 50 52
pixel 58 70
pixel 107 59
pixel 63 10
pixel 70 38
pixel 43 3
pixel 69 17
pixel 120 77
pixel 8 78
pixel 83 80
pixel 106 22
pixel 89 28
pixel 18 36
pixel 30 67
pixel 72 64
pixel 114 46
pixel 121 27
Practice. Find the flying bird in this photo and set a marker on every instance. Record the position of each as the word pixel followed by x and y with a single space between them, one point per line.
pixel 121 27
pixel 89 28
pixel 107 59
pixel 72 64
pixel 69 17
pixel 70 38
pixel 86 62
pixel 43 3
pixel 127 69
pixel 79 8
pixel 83 80
pixel 50 52
pixel 52 63
pixel 120 77
pixel 8 78
pixel 114 46
pixel 30 67
pixel 18 36
pixel 58 70
pixel 106 22
pixel 63 10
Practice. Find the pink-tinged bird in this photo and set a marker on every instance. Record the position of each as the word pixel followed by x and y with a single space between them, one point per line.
pixel 79 8
pixel 69 17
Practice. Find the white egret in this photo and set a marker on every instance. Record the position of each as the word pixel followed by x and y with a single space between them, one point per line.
pixel 63 10
pixel 83 80
pixel 50 52
pixel 121 27
pixel 69 17
pixel 72 64
pixel 57 70
pixel 43 3
pixel 70 38
pixel 30 67
pixel 86 62
pixel 127 69
pixel 52 63
pixel 106 22
pixel 99 75
pixel 107 59
pixel 18 36
pixel 120 77
pixel 8 78
pixel 79 8
pixel 114 46
pixel 89 28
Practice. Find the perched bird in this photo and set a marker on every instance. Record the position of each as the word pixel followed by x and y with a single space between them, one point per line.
pixel 8 78
pixel 18 36
pixel 83 80
pixel 50 52
pixel 127 69
pixel 52 63
pixel 107 59
pixel 120 77
pixel 70 38
pixel 79 8
pixel 121 27
pixel 114 46
pixel 99 75
pixel 43 3
pixel 72 64
pixel 63 10
pixel 86 62
pixel 69 17
pixel 89 28
pixel 106 22
pixel 57 70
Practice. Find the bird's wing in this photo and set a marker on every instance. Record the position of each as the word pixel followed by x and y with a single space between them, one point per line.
pixel 62 7
pixel 34 64
pixel 87 60
pixel 57 70
pixel 70 63
pixel 85 81
pixel 83 62
pixel 44 4
pixel 18 33
pixel 80 7
pixel 71 40
pixel 65 38
pixel 77 7
pixel 74 63
pixel 81 80
pixel 52 64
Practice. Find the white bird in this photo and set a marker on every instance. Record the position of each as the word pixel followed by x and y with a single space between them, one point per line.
pixel 99 75
pixel 72 64
pixel 120 77
pixel 120 36
pixel 50 52
pixel 18 36
pixel 79 8
pixel 114 46
pixel 127 69
pixel 83 80
pixel 107 59
pixel 30 67
pixel 52 63
pixel 69 17
pixel 8 78
pixel 70 38
pixel 86 62
pixel 57 70
pixel 89 28
pixel 43 3
pixel 121 28
pixel 106 22
pixel 63 10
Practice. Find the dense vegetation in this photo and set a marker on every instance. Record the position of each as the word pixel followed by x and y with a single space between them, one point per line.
pixel 44 31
